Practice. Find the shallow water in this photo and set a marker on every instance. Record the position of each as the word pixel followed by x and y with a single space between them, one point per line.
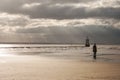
pixel 59 62
pixel 106 53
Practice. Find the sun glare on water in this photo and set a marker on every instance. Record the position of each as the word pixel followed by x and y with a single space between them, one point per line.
pixel 4 50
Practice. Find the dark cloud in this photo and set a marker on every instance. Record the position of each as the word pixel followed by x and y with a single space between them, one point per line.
pixel 43 14
pixel 68 12
pixel 71 1
pixel 14 5
pixel 106 12
pixel 71 34
pixel 47 9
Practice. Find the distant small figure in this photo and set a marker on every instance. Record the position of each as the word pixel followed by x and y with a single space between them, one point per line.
pixel 87 44
pixel 94 50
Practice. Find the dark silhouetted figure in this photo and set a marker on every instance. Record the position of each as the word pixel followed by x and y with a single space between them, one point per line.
pixel 87 44
pixel 94 50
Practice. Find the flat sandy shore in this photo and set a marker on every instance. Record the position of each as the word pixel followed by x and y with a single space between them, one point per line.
pixel 45 68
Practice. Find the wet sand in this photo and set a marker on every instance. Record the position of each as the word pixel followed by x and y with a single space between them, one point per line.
pixel 60 63
pixel 47 68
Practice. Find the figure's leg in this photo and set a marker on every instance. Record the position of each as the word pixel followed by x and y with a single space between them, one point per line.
pixel 94 56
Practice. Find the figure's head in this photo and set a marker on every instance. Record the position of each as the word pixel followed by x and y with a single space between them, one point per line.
pixel 94 44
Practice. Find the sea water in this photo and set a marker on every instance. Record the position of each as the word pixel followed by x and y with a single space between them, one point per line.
pixel 107 53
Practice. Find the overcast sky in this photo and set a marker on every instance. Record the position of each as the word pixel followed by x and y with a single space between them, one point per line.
pixel 25 14
pixel 63 21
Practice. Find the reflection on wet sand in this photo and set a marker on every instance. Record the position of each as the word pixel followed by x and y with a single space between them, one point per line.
pixel 59 63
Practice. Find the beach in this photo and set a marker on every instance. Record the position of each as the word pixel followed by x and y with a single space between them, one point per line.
pixel 71 63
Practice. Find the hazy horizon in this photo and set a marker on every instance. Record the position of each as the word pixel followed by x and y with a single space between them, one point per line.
pixel 65 35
